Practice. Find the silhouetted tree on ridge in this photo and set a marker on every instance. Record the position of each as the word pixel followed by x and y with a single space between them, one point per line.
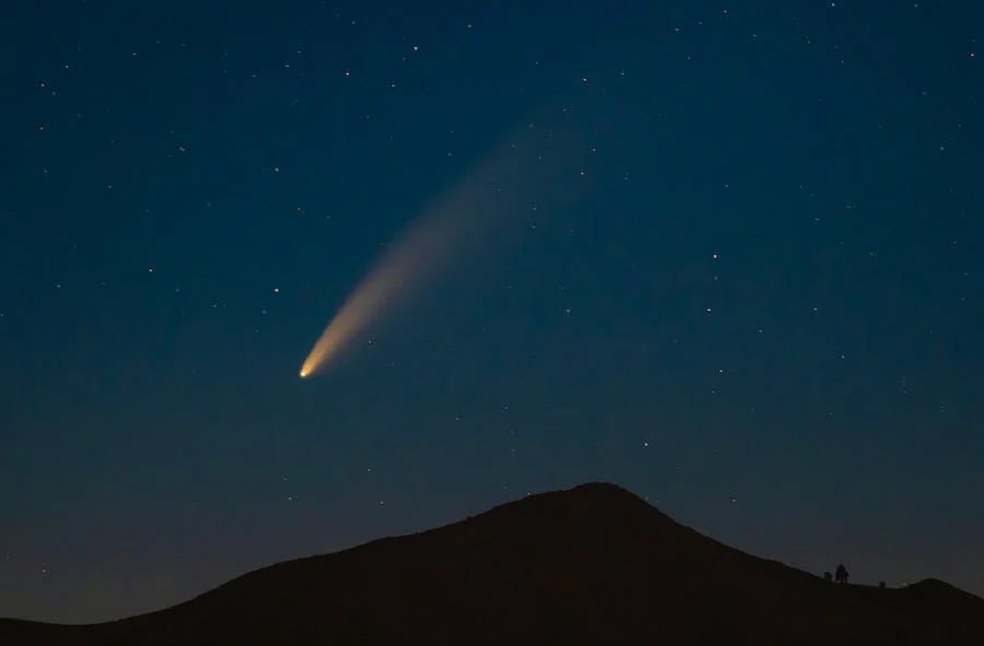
pixel 841 575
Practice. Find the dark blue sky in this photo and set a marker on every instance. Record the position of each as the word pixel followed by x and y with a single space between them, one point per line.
pixel 752 293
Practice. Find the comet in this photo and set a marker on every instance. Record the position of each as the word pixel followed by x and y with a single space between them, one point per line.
pixel 487 203
pixel 410 261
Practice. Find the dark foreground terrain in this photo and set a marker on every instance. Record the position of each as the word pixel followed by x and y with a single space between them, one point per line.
pixel 590 565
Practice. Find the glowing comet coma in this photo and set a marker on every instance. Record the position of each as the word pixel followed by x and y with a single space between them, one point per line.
pixel 464 220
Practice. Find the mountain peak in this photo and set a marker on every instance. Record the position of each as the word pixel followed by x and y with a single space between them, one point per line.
pixel 602 489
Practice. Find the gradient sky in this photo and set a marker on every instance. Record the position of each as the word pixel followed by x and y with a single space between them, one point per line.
pixel 751 290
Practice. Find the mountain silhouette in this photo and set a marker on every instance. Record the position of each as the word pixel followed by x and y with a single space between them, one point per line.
pixel 590 565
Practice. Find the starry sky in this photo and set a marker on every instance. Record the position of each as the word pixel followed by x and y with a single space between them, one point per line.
pixel 742 278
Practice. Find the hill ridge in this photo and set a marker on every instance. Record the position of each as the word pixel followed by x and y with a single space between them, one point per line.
pixel 593 564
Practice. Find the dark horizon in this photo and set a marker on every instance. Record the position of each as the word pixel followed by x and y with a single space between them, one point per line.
pixel 726 256
pixel 594 563
pixel 597 488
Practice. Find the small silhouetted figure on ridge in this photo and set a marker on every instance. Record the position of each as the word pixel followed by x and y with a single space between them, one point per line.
pixel 828 577
pixel 841 574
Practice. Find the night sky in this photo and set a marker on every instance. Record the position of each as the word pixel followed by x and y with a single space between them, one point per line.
pixel 735 268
